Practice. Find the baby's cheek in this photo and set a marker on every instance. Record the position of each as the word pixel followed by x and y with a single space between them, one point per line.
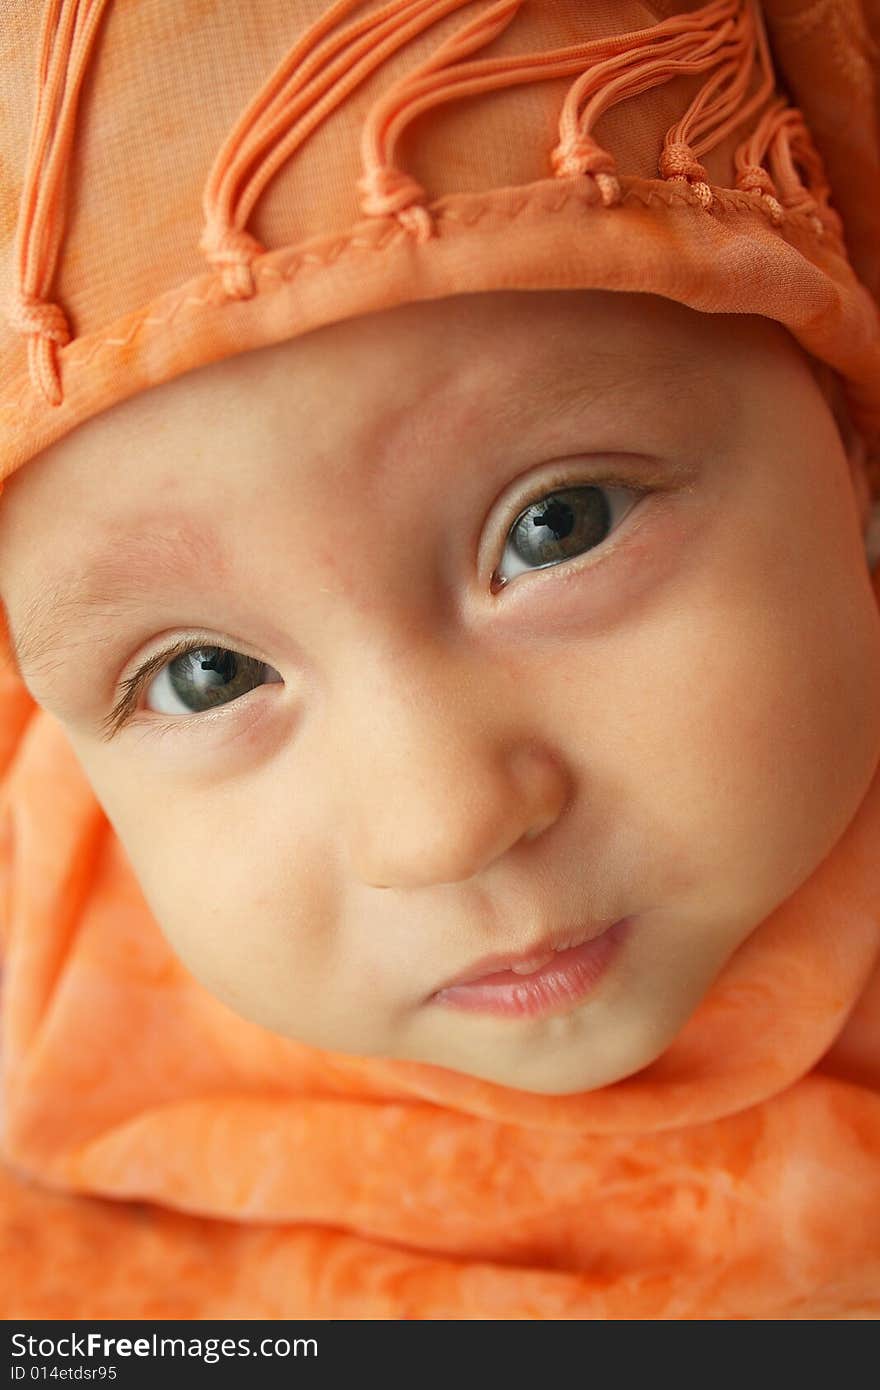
pixel 255 917
pixel 231 909
pixel 781 733
pixel 194 890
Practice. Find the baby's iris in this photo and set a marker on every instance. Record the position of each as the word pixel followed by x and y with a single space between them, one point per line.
pixel 204 677
pixel 562 524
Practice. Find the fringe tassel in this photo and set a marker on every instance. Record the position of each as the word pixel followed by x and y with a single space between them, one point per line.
pixel 432 84
pixel 749 156
pixel 384 189
pixel 718 107
pixel 636 70
pixel 66 38
pixel 791 145
pixel 269 130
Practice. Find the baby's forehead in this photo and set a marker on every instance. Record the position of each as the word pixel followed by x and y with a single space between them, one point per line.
pixel 433 354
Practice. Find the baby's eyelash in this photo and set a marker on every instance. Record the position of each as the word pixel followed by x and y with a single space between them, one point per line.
pixel 132 686
pixel 571 479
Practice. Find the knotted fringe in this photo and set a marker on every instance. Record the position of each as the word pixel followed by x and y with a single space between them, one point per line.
pixel 431 84
pixel 792 145
pixel 725 38
pixel 305 84
pixel 66 40
pixel 384 189
pixel 719 106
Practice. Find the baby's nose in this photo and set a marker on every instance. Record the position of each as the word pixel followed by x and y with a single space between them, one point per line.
pixel 438 785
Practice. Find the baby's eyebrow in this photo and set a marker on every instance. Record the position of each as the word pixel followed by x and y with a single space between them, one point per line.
pixel 133 564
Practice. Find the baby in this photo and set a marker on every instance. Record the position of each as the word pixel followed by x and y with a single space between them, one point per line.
pixel 438 642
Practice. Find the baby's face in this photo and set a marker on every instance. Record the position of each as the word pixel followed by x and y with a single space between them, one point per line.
pixel 380 763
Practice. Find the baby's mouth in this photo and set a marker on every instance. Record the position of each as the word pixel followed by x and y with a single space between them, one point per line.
pixel 545 983
pixel 532 959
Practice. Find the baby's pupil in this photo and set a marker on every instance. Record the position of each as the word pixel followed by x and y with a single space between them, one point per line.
pixel 558 517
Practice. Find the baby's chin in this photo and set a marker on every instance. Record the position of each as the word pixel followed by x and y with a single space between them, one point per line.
pixel 557 1065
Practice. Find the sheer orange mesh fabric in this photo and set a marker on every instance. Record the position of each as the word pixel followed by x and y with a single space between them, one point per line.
pixel 356 156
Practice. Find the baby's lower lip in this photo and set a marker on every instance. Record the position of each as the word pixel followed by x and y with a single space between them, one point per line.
pixel 557 986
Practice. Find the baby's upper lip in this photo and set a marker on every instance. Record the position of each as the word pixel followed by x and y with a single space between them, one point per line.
pixel 558 940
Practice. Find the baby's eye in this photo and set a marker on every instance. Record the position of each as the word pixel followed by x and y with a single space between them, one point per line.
pixel 561 524
pixel 201 677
